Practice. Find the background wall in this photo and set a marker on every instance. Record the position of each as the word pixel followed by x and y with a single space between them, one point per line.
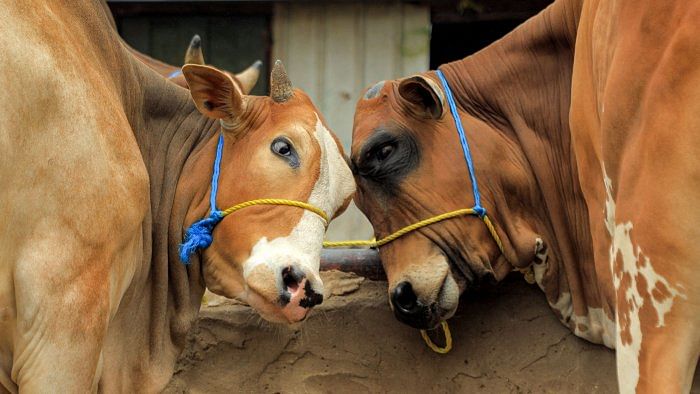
pixel 334 51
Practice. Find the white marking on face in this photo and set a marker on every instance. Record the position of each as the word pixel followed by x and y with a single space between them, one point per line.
pixel 334 185
pixel 634 264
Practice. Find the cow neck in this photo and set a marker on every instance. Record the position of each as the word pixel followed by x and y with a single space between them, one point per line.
pixel 521 86
pixel 170 133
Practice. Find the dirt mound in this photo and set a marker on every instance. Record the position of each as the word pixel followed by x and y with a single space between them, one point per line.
pixel 505 340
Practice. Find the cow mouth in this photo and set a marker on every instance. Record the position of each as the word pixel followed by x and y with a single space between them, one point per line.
pixel 460 268
pixel 439 308
pixel 435 313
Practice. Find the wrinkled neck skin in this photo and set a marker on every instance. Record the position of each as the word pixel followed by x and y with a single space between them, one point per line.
pixel 521 87
pixel 165 295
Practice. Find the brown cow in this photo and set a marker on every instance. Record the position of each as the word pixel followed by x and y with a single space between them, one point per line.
pixel 581 124
pixel 104 164
pixel 245 80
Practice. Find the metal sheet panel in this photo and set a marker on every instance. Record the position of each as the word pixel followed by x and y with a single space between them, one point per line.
pixel 334 51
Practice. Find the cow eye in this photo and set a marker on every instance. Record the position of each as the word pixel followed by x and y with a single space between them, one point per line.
pixel 281 147
pixel 385 151
pixel 381 152
pixel 284 149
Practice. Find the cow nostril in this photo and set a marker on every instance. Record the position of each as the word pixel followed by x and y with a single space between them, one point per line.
pixel 311 298
pixel 404 298
pixel 291 277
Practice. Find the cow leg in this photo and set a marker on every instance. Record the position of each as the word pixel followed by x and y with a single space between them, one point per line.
pixel 62 296
pixel 656 279
pixel 657 359
pixel 668 360
pixel 58 344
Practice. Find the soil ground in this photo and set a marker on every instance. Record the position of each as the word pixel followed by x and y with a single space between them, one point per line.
pixel 505 340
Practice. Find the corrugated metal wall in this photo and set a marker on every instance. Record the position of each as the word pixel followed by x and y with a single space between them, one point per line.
pixel 334 51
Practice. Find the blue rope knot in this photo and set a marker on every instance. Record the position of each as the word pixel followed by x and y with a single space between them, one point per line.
pixel 199 236
pixel 479 210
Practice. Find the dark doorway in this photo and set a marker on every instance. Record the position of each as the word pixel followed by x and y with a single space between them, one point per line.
pixel 454 41
pixel 463 27
pixel 233 35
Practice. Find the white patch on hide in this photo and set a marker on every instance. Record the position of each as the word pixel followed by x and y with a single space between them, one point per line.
pixel 541 263
pixel 599 328
pixel 565 307
pixel 634 264
pixel 541 252
pixel 303 245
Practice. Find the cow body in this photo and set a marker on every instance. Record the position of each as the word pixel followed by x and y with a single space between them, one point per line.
pixel 61 288
pixel 582 126
pixel 104 164
pixel 634 122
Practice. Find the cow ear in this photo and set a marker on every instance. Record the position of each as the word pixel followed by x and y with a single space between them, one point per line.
pixel 423 93
pixel 214 92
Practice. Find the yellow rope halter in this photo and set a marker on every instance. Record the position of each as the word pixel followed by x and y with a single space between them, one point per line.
pixel 277 201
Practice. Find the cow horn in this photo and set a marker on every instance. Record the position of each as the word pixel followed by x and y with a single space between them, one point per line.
pixel 194 51
pixel 249 77
pixel 280 86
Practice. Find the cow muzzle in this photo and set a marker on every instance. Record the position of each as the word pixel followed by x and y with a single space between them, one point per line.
pixel 284 294
pixel 297 294
pixel 421 311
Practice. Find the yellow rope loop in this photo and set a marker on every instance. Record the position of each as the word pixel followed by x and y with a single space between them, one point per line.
pixel 278 201
pixel 433 346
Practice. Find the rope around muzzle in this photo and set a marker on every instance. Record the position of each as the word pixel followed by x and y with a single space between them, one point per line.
pixel 200 234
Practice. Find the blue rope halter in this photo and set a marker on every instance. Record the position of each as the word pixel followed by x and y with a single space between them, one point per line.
pixel 174 74
pixel 199 234
pixel 481 211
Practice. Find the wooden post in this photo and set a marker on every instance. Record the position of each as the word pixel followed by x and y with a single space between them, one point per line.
pixel 363 262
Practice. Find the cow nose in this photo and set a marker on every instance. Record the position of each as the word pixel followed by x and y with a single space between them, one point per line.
pixel 404 298
pixel 297 288
pixel 408 309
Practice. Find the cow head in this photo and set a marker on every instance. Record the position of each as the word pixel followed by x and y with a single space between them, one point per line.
pixel 409 166
pixel 245 80
pixel 274 147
